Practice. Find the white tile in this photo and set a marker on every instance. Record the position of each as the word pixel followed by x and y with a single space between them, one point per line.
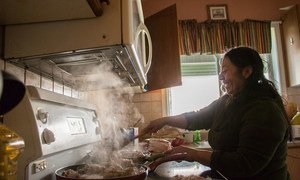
pixel 145 107
pixel 147 117
pixel 32 79
pixel 16 71
pixel 138 106
pixel 156 96
pixel 156 115
pixel 67 91
pixel 156 107
pixel 58 88
pixel 76 94
pixel 145 97
pixel 47 84
pixel 136 98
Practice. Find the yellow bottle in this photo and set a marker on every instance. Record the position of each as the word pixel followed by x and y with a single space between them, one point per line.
pixel 11 146
pixel 296 126
pixel 296 119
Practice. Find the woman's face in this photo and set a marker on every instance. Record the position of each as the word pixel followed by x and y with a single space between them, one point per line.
pixel 231 77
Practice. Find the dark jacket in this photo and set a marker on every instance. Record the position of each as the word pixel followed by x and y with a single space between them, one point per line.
pixel 248 135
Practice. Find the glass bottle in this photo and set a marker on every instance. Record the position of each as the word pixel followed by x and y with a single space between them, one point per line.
pixel 11 146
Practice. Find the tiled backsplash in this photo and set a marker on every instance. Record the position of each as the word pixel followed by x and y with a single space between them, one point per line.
pixel 29 78
pixel 149 104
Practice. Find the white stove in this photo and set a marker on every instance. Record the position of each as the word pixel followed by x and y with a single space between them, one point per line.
pixel 58 131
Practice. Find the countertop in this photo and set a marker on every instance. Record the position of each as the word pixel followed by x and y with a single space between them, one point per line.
pixel 294 144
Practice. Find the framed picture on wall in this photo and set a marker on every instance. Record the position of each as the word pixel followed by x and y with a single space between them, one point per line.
pixel 217 12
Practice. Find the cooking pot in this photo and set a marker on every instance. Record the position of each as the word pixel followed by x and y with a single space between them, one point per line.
pixel 147 167
pixel 140 176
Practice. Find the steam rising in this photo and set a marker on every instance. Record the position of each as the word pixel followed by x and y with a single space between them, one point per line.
pixel 115 110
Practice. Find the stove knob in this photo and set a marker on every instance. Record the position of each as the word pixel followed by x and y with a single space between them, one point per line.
pixel 48 136
pixel 42 115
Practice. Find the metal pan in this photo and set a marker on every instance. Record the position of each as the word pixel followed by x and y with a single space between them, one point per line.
pixel 148 167
pixel 140 176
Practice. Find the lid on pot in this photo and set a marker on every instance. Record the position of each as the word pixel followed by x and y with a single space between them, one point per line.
pixel 12 92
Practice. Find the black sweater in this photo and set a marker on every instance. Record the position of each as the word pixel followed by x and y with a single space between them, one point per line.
pixel 248 135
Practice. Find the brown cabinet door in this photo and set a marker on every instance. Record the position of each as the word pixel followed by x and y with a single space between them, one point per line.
pixel 291 36
pixel 165 68
pixel 293 162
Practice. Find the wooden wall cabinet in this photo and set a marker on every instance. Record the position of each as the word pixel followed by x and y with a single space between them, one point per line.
pixel 293 161
pixel 165 68
pixel 291 36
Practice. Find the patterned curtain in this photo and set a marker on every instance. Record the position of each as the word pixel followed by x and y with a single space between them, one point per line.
pixel 214 37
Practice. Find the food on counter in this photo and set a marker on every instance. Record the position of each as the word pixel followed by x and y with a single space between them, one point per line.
pixel 89 171
pixel 177 142
pixel 167 132
pixel 158 145
pixel 155 156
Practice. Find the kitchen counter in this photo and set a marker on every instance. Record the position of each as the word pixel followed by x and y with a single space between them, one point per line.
pixel 294 144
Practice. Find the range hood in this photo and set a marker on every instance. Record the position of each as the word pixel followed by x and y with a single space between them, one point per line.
pixel 79 69
pixel 67 51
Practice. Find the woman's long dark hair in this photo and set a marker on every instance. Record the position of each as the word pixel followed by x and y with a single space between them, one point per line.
pixel 243 57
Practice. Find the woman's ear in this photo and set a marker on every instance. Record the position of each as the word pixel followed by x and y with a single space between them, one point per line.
pixel 247 71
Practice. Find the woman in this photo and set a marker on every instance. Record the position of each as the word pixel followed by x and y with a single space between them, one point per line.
pixel 249 128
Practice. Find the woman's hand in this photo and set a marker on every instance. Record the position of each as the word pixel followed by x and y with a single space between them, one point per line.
pixel 178 121
pixel 179 153
pixel 189 152
pixel 165 158
pixel 154 126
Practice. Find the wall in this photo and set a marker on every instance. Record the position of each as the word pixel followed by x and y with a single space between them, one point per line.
pixel 238 10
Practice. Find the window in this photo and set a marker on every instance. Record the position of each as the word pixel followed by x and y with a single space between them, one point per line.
pixel 276 64
pixel 200 85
